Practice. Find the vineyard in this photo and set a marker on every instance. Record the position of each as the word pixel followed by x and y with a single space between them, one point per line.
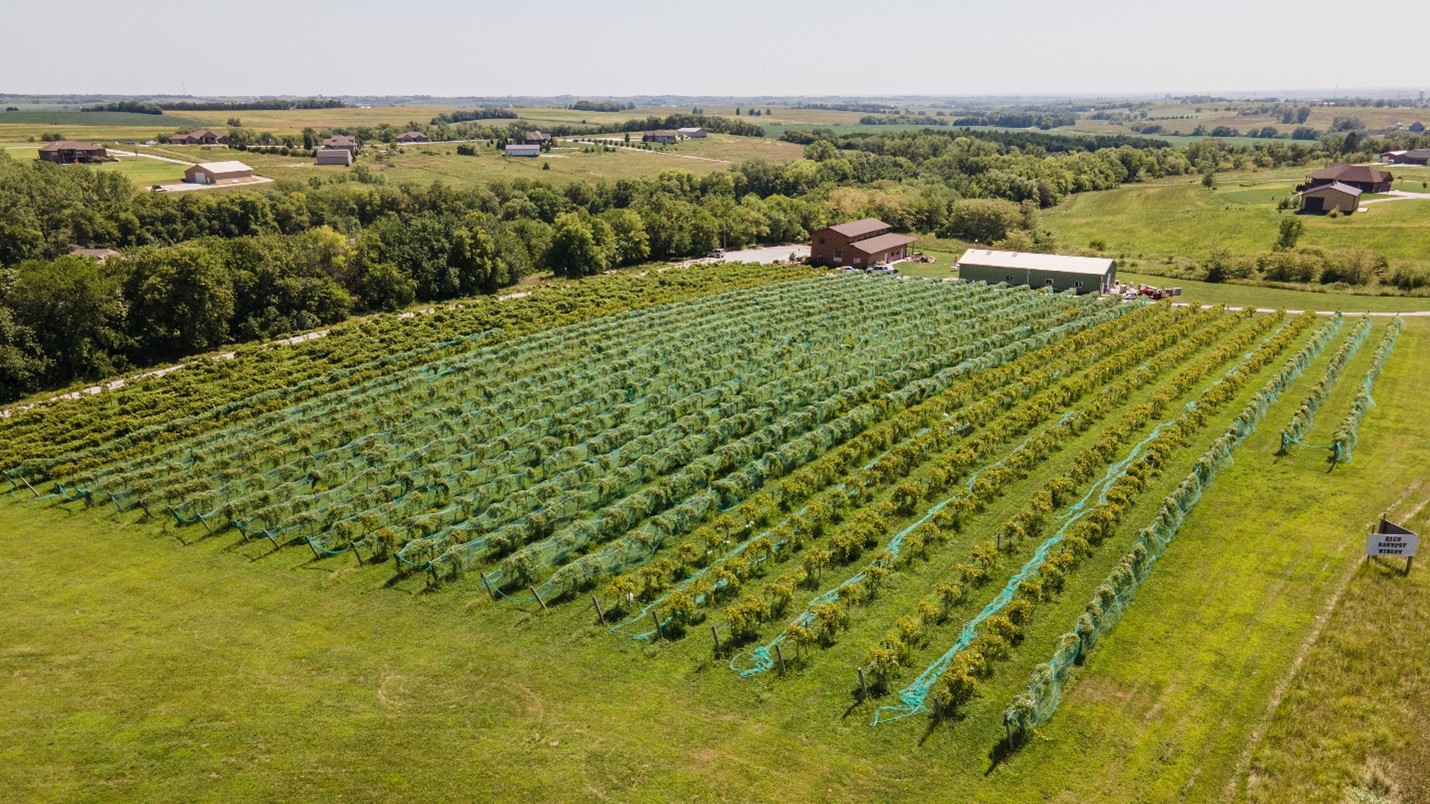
pixel 900 492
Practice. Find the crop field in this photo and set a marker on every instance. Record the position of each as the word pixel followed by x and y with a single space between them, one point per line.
pixel 742 531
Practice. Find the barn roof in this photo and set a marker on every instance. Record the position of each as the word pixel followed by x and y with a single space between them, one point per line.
pixel 1060 263
pixel 340 139
pixel 1346 173
pixel 880 243
pixel 863 226
pixel 223 167
pixel 1335 185
pixel 71 145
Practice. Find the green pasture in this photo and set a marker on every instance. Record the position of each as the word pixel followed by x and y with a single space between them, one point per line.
pixel 143 661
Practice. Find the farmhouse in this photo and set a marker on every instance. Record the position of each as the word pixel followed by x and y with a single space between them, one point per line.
pixel 523 150
pixel 199 137
pixel 334 156
pixel 1365 179
pixel 662 137
pixel 1387 157
pixel 411 136
pixel 1327 197
pixel 1057 271
pixel 1416 156
pixel 218 173
pixel 538 138
pixel 67 152
pixel 342 141
pixel 858 244
pixel 691 133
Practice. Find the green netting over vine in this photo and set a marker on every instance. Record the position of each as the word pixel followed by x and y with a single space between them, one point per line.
pixel 1302 419
pixel 1040 699
pixel 1344 441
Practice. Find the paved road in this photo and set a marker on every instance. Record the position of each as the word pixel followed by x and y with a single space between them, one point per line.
pixel 1397 195
pixel 152 156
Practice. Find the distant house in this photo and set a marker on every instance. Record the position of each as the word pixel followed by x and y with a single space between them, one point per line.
pixel 334 156
pixel 97 254
pixel 691 133
pixel 1417 127
pixel 538 138
pixel 1417 156
pixel 1365 179
pixel 218 173
pixel 523 150
pixel 342 141
pixel 1388 157
pixel 1056 271
pixel 661 137
pixel 67 152
pixel 1326 197
pixel 411 136
pixel 858 244
pixel 199 137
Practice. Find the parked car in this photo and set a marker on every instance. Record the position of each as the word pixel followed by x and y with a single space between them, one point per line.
pixel 716 254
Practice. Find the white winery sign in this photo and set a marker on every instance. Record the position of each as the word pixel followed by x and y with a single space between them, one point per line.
pixel 1399 545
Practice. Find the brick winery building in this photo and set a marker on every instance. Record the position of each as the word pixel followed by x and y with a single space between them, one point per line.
pixel 858 244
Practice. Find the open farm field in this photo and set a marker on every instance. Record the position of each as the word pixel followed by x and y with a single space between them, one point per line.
pixel 65 120
pixel 428 162
pixel 617 537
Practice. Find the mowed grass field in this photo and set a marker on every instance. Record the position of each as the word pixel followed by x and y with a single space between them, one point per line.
pixel 137 666
pixel 1158 221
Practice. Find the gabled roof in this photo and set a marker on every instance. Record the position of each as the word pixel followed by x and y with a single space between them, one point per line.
pixel 223 167
pixel 71 145
pixel 881 243
pixel 689 129
pixel 204 132
pixel 411 134
pixel 1417 153
pixel 860 227
pixel 1036 262
pixel 1348 173
pixel 1335 185
pixel 523 148
pixel 661 134
pixel 340 139
pixel 537 135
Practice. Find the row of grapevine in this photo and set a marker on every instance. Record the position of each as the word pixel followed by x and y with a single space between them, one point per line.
pixel 1040 699
pixel 1346 437
pixel 741 468
pixel 901 438
pixel 990 634
pixel 48 440
pixel 1134 354
pixel 1303 417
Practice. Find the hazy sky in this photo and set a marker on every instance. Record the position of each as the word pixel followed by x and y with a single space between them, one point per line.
pixel 704 47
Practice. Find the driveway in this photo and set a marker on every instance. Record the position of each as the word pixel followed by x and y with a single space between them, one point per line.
pixel 765 254
pixel 188 188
